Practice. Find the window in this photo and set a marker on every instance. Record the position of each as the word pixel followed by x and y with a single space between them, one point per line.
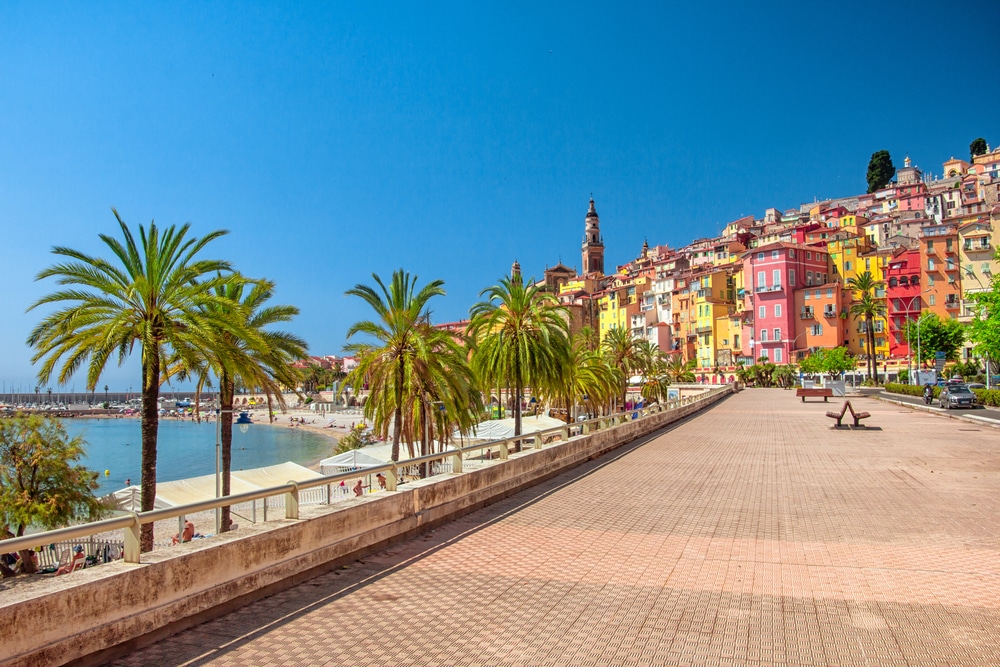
pixel 930 281
pixel 930 245
pixel 777 334
pixel 763 354
pixel 809 255
pixel 791 277
pixel 879 326
pixel 776 278
pixel 897 304
pixel 931 300
pixel 947 245
pixel 817 330
pixel 777 356
pixel 805 295
pixel 791 253
pixel 985 268
pixel 950 264
pixel 762 312
pixel 760 257
pixel 761 281
pixel 829 293
pixel 930 263
pixel 777 310
pixel 868 264
pixel 809 277
pixel 763 335
pixel 847 267
pixel 774 254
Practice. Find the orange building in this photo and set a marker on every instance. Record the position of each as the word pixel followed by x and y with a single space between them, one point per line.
pixel 939 264
pixel 819 321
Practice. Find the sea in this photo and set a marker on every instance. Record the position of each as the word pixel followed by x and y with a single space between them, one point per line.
pixel 187 449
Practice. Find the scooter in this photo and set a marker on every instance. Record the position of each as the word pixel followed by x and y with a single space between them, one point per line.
pixel 928 396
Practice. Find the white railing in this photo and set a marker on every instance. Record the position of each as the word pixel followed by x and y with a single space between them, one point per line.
pixel 327 489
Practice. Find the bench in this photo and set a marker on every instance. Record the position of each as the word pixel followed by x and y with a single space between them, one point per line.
pixel 815 392
pixel 857 416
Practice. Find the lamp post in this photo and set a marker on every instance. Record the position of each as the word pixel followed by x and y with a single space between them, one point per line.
pixel 909 348
pixel 243 422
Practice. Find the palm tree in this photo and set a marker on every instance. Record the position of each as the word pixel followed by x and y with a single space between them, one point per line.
pixel 868 307
pixel 586 375
pixel 520 338
pixel 679 370
pixel 623 352
pixel 248 353
pixel 405 345
pixel 151 294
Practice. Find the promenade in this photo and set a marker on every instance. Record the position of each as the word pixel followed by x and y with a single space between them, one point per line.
pixel 752 534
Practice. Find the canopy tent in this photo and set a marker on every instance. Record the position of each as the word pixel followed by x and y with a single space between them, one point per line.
pixel 500 429
pixel 348 461
pixel 195 489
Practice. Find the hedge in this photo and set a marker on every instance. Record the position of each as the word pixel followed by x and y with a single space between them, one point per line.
pixel 989 397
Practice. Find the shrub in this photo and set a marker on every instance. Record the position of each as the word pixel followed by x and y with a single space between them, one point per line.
pixel 909 389
pixel 988 396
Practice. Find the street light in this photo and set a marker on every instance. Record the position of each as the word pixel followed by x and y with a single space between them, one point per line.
pixel 243 422
pixel 909 348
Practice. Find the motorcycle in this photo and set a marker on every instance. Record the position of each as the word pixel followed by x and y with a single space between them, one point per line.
pixel 928 395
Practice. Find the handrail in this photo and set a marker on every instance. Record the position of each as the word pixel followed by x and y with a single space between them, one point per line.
pixel 133 520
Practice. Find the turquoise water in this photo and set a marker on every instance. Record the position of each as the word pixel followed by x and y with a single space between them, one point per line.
pixel 187 449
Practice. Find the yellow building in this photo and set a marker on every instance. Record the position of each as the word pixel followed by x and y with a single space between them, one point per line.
pixel 712 302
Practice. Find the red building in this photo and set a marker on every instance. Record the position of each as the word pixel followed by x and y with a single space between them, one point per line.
pixel 904 299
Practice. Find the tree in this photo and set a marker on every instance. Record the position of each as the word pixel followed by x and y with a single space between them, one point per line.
pixel 622 351
pixel 41 483
pixel 385 365
pixel 246 352
pixel 832 361
pixel 880 171
pixel 978 147
pixel 984 329
pixel 149 295
pixel 868 307
pixel 586 376
pixel 936 335
pixel 678 370
pixel 520 339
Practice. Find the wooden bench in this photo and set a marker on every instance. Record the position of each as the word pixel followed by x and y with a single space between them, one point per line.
pixel 857 416
pixel 814 391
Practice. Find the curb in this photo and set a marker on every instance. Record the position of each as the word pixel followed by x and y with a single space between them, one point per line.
pixel 972 419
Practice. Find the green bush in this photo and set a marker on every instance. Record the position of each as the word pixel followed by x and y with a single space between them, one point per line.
pixel 988 396
pixel 909 389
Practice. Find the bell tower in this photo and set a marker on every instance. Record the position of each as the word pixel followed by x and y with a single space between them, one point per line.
pixel 593 244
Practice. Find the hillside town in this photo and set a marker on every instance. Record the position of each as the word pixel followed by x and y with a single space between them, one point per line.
pixel 779 286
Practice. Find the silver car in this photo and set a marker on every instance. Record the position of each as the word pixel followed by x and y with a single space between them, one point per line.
pixel 957 396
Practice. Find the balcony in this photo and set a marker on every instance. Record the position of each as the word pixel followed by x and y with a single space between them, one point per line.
pixel 980 246
pixel 767 288
pixel 806 314
pixel 952 303
pixel 829 312
pixel 703 330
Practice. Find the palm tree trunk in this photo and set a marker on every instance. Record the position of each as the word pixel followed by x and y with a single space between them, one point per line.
pixel 150 419
pixel 227 391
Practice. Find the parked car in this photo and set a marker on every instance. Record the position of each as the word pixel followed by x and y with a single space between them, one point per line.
pixel 957 396
pixel 976 385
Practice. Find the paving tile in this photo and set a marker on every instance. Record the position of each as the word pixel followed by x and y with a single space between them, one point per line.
pixel 753 534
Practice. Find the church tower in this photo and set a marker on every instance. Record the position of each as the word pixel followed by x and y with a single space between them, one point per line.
pixel 593 244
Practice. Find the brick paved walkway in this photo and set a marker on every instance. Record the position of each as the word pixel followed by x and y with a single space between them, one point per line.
pixel 752 534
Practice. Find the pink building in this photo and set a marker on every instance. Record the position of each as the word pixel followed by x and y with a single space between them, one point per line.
pixel 772 273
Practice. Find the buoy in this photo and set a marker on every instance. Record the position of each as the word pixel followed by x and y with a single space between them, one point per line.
pixel 107 473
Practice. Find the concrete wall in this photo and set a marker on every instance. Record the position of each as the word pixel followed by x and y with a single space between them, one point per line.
pixel 97 613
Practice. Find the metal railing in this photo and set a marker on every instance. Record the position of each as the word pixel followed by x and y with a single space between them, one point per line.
pixel 289 496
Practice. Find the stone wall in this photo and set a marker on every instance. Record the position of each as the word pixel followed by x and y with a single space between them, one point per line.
pixel 97 613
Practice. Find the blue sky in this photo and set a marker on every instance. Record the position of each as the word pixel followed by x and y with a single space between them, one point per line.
pixel 338 140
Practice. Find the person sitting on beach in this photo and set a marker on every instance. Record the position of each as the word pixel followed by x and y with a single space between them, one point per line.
pixel 359 488
pixel 185 536
pixel 74 562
